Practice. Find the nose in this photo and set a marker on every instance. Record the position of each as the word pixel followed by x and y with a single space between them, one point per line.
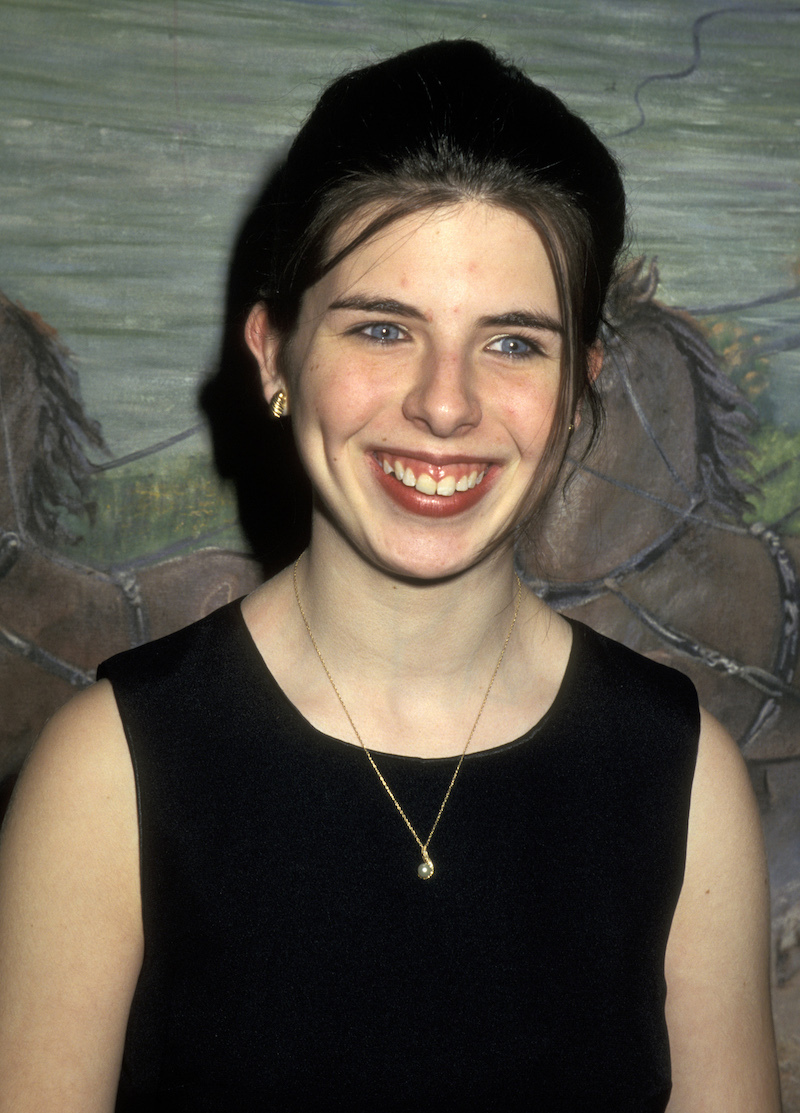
pixel 442 398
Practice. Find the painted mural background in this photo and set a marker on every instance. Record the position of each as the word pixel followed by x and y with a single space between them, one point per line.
pixel 133 135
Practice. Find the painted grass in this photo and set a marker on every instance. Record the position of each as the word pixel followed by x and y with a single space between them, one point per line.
pixel 776 475
pixel 135 513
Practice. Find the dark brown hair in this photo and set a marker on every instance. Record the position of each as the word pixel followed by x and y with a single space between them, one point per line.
pixel 440 124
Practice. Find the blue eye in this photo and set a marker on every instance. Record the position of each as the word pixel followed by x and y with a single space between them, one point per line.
pixel 513 346
pixel 383 333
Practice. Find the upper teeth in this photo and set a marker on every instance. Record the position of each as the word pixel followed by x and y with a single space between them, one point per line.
pixel 427 485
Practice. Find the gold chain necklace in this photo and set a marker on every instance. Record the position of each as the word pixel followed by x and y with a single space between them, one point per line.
pixel 425 868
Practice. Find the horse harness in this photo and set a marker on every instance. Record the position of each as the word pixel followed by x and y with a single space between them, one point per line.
pixel 775 684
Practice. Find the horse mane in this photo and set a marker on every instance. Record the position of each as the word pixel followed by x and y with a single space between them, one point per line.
pixel 724 419
pixel 58 477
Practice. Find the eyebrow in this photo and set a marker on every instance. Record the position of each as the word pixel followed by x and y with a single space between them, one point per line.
pixel 521 318
pixel 378 305
pixel 518 318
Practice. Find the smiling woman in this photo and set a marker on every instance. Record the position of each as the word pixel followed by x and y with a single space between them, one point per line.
pixel 433 458
pixel 389 833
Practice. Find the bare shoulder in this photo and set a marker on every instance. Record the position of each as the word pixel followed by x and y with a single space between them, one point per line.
pixel 717 963
pixel 86 731
pixel 70 915
pixel 76 784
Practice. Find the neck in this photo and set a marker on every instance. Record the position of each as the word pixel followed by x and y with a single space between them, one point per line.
pixel 411 659
pixel 407 631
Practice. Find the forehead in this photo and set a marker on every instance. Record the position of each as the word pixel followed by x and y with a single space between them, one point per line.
pixel 455 249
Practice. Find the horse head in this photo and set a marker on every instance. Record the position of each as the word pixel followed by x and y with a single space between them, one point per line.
pixel 672 450
pixel 44 429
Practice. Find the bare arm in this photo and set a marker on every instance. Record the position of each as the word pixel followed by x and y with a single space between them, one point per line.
pixel 717 966
pixel 70 915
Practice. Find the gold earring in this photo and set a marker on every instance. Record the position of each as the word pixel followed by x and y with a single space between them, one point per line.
pixel 571 429
pixel 278 404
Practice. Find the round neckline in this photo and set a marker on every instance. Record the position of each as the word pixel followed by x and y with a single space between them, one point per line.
pixel 559 700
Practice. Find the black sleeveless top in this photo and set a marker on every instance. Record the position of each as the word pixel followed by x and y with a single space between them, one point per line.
pixel 294 959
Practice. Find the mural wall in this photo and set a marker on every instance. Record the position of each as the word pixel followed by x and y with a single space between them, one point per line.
pixel 133 135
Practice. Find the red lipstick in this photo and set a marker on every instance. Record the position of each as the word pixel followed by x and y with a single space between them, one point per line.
pixel 431 506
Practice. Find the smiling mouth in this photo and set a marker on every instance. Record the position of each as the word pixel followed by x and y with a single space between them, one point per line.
pixel 433 479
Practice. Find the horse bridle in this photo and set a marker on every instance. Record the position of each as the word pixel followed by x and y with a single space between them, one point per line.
pixel 775 684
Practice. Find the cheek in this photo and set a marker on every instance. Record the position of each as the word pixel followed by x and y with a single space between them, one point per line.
pixel 322 378
pixel 332 406
pixel 529 410
pixel 350 395
pixel 308 389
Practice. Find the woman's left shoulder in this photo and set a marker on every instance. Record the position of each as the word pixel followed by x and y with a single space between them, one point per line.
pixel 717 962
pixel 724 825
pixel 658 701
pixel 631 668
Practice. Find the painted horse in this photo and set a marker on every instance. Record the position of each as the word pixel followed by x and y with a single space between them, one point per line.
pixel 650 541
pixel 652 547
pixel 60 617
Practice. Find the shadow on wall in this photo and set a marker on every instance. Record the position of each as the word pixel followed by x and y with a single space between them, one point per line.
pixel 255 453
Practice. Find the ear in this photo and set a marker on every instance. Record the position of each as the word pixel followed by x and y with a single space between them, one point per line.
pixel 264 342
pixel 594 361
pixel 594 365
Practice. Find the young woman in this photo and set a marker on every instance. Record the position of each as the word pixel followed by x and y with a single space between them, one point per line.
pixel 389 833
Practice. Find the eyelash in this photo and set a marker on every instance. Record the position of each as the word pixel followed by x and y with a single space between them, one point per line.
pixel 531 348
pixel 365 330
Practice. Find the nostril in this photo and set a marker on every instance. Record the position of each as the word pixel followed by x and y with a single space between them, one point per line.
pixel 443 403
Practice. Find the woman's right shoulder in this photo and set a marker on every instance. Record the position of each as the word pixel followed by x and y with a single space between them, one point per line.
pixel 81 753
pixel 70 911
pixel 80 757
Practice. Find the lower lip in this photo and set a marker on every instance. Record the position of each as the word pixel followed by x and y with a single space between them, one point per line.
pixel 432 506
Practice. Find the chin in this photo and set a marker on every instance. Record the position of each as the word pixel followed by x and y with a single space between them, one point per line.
pixel 427 561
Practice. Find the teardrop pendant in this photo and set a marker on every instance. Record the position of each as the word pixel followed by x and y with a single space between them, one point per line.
pixel 425 869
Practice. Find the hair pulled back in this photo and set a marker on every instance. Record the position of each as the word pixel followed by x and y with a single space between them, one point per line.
pixel 445 122
pixel 440 124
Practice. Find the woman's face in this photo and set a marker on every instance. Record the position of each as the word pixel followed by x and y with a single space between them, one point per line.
pixel 423 380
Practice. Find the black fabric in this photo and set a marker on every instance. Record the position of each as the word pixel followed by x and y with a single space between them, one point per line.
pixel 294 959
